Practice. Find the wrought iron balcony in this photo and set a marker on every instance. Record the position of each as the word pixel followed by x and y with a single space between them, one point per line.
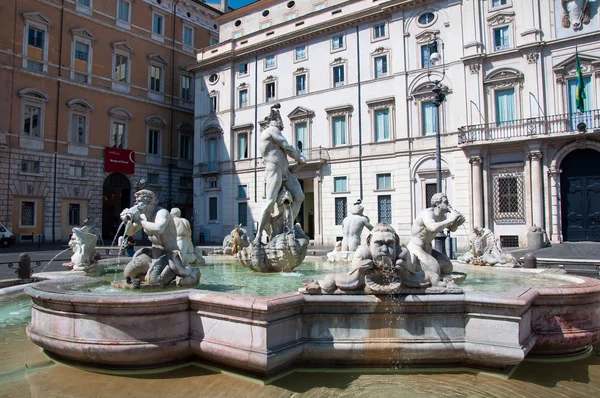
pixel 318 154
pixel 213 167
pixel 532 127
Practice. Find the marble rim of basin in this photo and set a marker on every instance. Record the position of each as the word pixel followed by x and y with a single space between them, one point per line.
pixel 263 336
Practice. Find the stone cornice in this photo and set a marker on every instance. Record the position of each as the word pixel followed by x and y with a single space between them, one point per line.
pixel 322 29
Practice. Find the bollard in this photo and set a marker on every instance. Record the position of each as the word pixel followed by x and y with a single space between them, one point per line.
pixel 529 261
pixel 24 270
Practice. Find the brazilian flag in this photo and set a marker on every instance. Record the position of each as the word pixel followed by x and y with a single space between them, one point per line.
pixel 580 89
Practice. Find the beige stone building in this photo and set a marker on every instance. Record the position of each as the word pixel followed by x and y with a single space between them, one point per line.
pixel 95 98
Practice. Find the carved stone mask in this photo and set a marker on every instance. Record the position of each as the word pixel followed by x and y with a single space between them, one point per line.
pixel 575 10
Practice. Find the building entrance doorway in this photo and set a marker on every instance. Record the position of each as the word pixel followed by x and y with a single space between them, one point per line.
pixel 116 195
pixel 306 217
pixel 580 195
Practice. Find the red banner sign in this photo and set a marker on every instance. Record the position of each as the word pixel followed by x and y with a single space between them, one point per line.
pixel 118 160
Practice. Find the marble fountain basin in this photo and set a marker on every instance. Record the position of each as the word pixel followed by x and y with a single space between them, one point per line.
pixel 263 336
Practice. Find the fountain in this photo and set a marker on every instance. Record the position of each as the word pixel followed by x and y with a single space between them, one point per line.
pixel 234 242
pixel 487 250
pixel 352 227
pixel 83 243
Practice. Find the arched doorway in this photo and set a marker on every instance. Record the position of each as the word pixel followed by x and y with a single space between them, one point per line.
pixel 115 197
pixel 580 193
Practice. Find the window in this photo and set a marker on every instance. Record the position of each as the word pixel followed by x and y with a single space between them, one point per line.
pixel 338 126
pixel 79 129
pixel 270 62
pixel 300 84
pixel 153 142
pixel 301 136
pixel 30 166
pixel 188 36
pixel 31 120
pixel 575 116
pixel 243 213
pixel 341 210
pixel 74 214
pixel 36 38
pixel 213 41
pixel 242 146
pixel 430 190
pixel 290 16
pixel 264 24
pixel 338 42
pixel 157 24
pixel 186 87
pixel 505 106
pixel 426 52
pixel 123 8
pixel 214 103
pixel 380 31
pixel 242 191
pixel 426 19
pixel 381 67
pixel 237 34
pixel 155 78
pixel 153 179
pixel 384 181
pixel 338 76
pixel 243 69
pixel 340 184
pixel 84 2
pixel 118 135
pixel 213 183
pixel 81 51
pixel 508 197
pixel 84 6
pixel 429 118
pixel 80 77
pixel 243 98
pixel 212 209
pixel 185 147
pixel 300 53
pixel 121 72
pixel 77 171
pixel 501 38
pixel 27 214
pixel 212 155
pixel 318 6
pixel 498 3
pixel 35 66
pixel 270 92
pixel 384 209
pixel 382 125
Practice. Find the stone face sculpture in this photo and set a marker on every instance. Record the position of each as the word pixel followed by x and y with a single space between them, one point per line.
pixel 184 239
pixel 487 250
pixel 380 266
pixel 352 227
pixel 429 222
pixel 576 13
pixel 83 243
pixel 287 244
pixel 163 263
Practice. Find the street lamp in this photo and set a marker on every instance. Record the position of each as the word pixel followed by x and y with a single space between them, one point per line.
pixel 436 58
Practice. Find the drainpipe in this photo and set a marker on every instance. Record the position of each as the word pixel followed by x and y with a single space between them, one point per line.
pixel 10 120
pixel 58 81
pixel 171 121
pixel 255 128
pixel 360 169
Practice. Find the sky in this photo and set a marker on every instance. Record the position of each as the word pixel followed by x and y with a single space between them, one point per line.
pixel 234 3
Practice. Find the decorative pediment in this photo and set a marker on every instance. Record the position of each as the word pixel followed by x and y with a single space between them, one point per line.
pixel 269 78
pixel 81 32
pixel 80 103
pixel 155 120
pixel 185 127
pixel 423 92
pixel 243 128
pixel 380 50
pixel 34 93
pixel 338 60
pixel 426 36
pixel 300 114
pixel 503 77
pixel 119 112
pixel 301 69
pixel 501 18
pixel 122 45
pixel 212 132
pixel 339 110
pixel 36 17
pixel 379 103
pixel 157 58
pixel 566 68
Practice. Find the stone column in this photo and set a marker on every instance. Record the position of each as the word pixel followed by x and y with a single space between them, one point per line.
pixel 477 190
pixel 537 190
pixel 317 188
pixel 556 236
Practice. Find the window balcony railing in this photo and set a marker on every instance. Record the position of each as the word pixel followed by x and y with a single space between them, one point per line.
pixel 537 126
pixel 318 154
pixel 212 167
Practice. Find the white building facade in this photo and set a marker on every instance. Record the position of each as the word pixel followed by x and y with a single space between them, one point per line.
pixel 354 81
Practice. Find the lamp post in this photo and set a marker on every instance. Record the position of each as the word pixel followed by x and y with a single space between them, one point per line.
pixel 436 58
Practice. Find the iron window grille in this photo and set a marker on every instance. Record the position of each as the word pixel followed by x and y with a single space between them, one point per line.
pixel 509 197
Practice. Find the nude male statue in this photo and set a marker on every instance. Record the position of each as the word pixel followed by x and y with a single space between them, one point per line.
pixel 275 149
pixel 158 224
pixel 427 224
pixel 352 227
